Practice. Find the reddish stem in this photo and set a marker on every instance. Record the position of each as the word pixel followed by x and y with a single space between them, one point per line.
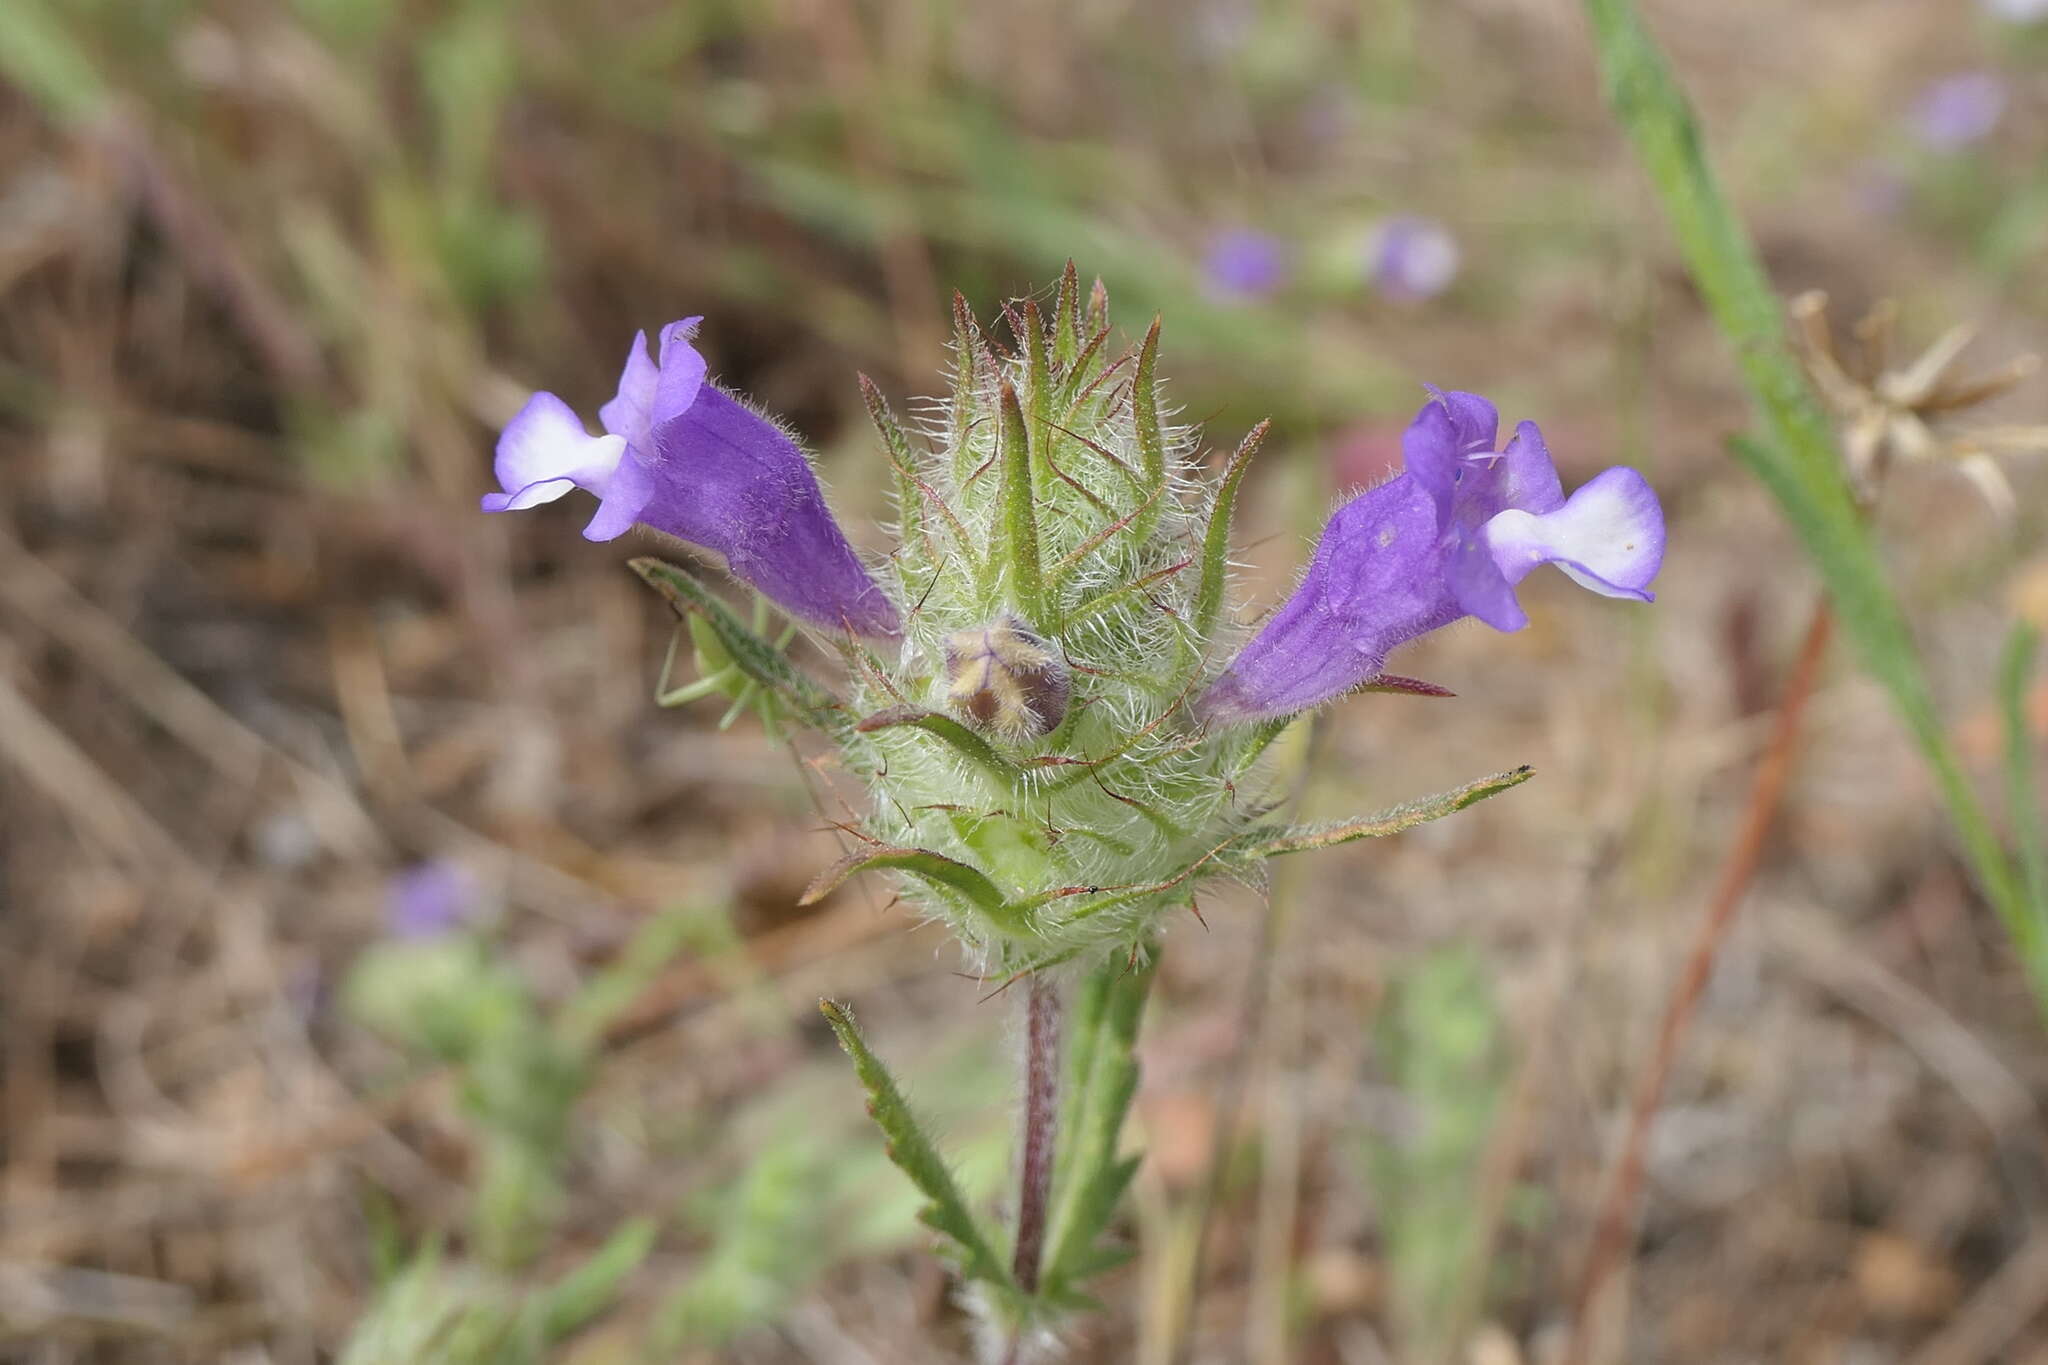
pixel 1767 790
pixel 1041 1117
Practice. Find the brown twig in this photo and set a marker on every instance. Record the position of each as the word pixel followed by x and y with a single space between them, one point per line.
pixel 1617 1211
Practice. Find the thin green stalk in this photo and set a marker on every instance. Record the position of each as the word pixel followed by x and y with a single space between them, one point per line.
pixel 1798 460
pixel 2023 792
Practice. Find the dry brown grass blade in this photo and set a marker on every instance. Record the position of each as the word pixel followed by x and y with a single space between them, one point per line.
pixel 1624 1191
pixel 46 600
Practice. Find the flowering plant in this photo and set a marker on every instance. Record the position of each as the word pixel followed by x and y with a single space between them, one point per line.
pixel 1038 685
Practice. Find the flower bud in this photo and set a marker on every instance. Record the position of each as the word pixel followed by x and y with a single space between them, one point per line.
pixel 1005 678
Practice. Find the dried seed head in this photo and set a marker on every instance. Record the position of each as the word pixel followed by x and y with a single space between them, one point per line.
pixel 1004 678
pixel 1887 414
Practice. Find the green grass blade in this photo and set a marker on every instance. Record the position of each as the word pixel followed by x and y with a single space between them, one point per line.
pixel 1798 462
pixel 2023 791
pixel 591 1287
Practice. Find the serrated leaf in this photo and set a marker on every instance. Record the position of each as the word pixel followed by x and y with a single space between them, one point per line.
pixel 1303 838
pixel 909 493
pixel 758 658
pixel 935 868
pixel 1216 541
pixel 915 1155
pixel 955 735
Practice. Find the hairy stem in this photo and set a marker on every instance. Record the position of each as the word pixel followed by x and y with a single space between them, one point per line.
pixel 1041 1121
pixel 1767 790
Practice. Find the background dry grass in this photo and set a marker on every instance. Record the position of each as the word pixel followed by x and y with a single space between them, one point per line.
pixel 271 273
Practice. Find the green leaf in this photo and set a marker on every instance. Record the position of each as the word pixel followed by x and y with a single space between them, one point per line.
pixel 1145 418
pixel 758 658
pixel 607 996
pixel 957 736
pixel 1799 463
pixel 1216 543
pixel 1098 308
pixel 1091 1180
pixel 1084 1035
pixel 1442 1043
pixel 1036 396
pixel 916 1156
pixel 2023 794
pixel 935 868
pixel 970 364
pixel 1111 598
pixel 1066 317
pixel 590 1288
pixel 1020 516
pixel 1271 843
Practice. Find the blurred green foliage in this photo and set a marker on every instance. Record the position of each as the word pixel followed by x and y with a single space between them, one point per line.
pixel 1441 1044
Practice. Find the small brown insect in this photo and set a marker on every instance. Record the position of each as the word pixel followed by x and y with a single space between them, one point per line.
pixel 1005 678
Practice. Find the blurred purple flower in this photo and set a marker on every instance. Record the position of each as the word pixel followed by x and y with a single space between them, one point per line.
pixel 1245 264
pixel 2017 11
pixel 429 899
pixel 682 455
pixel 1959 110
pixel 1412 258
pixel 1448 538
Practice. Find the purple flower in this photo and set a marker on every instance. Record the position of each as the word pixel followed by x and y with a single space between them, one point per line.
pixel 429 899
pixel 1449 538
pixel 1412 258
pixel 682 455
pixel 1244 264
pixel 1955 112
